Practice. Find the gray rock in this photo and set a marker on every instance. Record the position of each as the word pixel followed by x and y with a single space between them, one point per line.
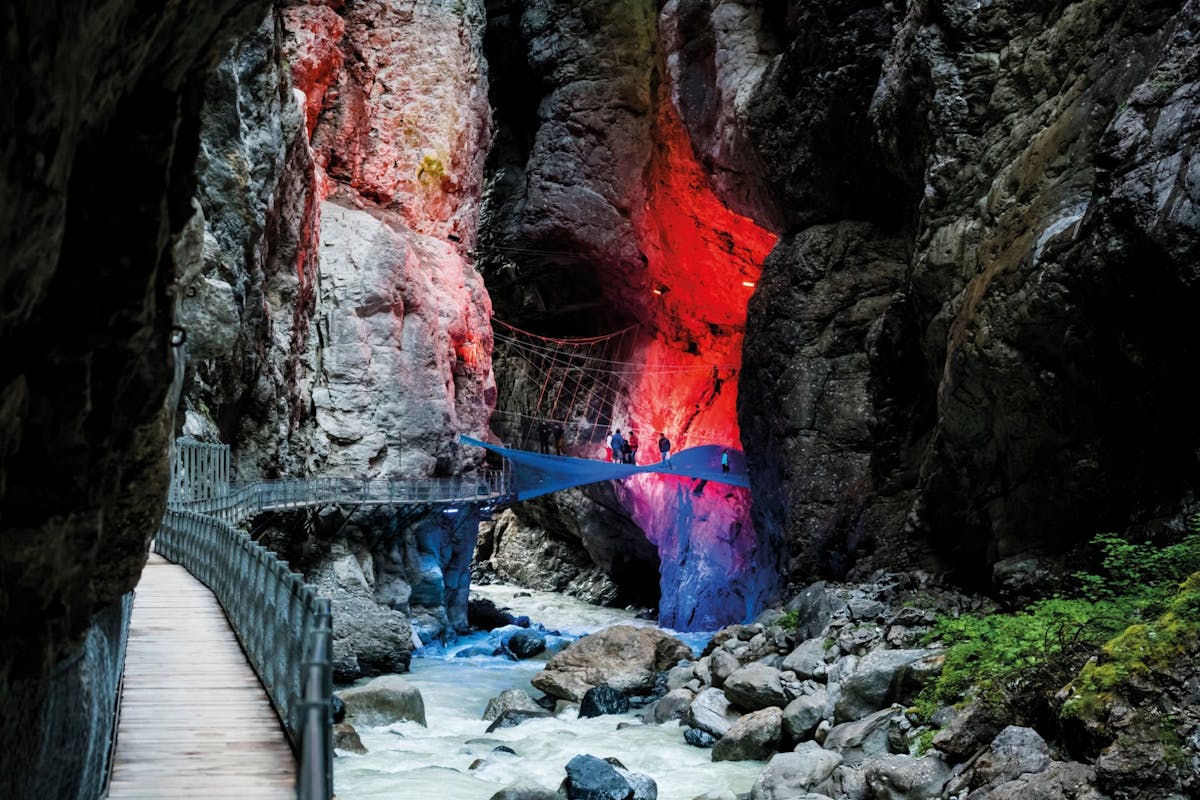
pixel 807 660
pixel 789 775
pixel 903 777
pixel 721 665
pixel 384 700
pixel 858 639
pixel 524 790
pixel 1059 781
pixel 968 732
pixel 677 677
pixel 699 738
pixel 716 794
pixel 1014 752
pixel 671 707
pixel 754 737
pixel 815 606
pixel 875 682
pixel 864 609
pixel 864 738
pixel 711 712
pixel 591 778
pixel 802 715
pixel 510 699
pixel 624 657
pixel 755 686
pixel 846 783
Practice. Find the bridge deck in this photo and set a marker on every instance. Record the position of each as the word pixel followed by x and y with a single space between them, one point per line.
pixel 195 721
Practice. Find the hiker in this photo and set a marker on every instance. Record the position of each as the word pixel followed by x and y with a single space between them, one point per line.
pixel 664 448
pixel 560 442
pixel 544 436
pixel 625 451
pixel 614 445
pixel 633 446
pixel 725 460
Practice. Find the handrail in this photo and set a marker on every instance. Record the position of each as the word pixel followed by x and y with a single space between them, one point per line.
pixel 284 628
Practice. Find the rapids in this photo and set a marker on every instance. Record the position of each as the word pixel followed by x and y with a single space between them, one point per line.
pixel 406 759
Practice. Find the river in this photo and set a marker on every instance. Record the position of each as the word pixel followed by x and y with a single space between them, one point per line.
pixel 406 759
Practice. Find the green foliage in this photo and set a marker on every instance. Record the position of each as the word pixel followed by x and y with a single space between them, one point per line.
pixel 1021 659
pixel 789 620
pixel 923 742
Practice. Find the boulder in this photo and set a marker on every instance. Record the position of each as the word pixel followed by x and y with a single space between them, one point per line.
pixel 591 778
pixel 789 776
pixel 969 731
pixel 346 738
pixel 699 738
pixel 524 790
pixel 846 783
pixel 862 739
pixel 515 716
pixel 710 712
pixel 670 707
pixel 623 657
pixel 874 683
pixel 526 643
pixel 721 665
pixel 807 660
pixel 1015 751
pixel 1062 780
pixel 802 715
pixel 754 737
pixel 601 700
pixel 904 777
pixel 510 699
pixel 384 700
pixel 677 677
pixel 484 614
pixel 755 686
pixel 815 606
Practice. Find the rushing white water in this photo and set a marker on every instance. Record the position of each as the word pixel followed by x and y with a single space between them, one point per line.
pixel 454 759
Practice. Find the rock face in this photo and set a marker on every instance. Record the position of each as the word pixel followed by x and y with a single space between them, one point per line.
pixel 341 329
pixel 933 331
pixel 96 144
pixel 599 216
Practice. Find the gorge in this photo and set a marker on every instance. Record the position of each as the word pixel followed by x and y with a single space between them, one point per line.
pixel 930 266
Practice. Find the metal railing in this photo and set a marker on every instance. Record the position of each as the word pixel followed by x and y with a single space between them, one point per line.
pixel 244 500
pixel 284 628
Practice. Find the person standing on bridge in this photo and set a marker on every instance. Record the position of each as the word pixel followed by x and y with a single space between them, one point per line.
pixel 560 441
pixel 544 436
pixel 725 460
pixel 633 446
pixel 616 445
pixel 664 448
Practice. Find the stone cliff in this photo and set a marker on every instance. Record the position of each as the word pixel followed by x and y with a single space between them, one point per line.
pixel 972 331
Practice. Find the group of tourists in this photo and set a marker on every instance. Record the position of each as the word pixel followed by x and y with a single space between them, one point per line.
pixel 546 431
pixel 624 450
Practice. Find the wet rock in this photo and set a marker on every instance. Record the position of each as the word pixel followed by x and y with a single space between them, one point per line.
pixel 525 790
pixel 384 700
pixel 591 778
pixel 510 699
pixel 697 737
pixel 670 707
pixel 754 737
pixel 903 777
pixel 623 657
pixel 477 651
pixel 484 614
pixel 711 712
pixel 874 683
pixel 791 775
pixel 802 715
pixel 346 738
pixel 510 718
pixel 526 643
pixel 865 738
pixel 338 709
pixel 755 686
pixel 601 700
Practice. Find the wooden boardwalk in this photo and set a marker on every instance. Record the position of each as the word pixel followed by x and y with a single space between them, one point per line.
pixel 195 721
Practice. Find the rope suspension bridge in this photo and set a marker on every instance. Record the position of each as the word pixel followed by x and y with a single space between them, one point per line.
pixel 581 387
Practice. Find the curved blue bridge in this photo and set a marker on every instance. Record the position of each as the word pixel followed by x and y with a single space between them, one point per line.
pixel 536 474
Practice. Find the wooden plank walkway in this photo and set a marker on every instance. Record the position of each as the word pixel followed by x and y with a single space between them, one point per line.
pixel 195 721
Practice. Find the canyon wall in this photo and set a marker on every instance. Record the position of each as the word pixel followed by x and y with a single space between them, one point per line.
pixel 971 335
pixel 336 325
pixel 99 121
